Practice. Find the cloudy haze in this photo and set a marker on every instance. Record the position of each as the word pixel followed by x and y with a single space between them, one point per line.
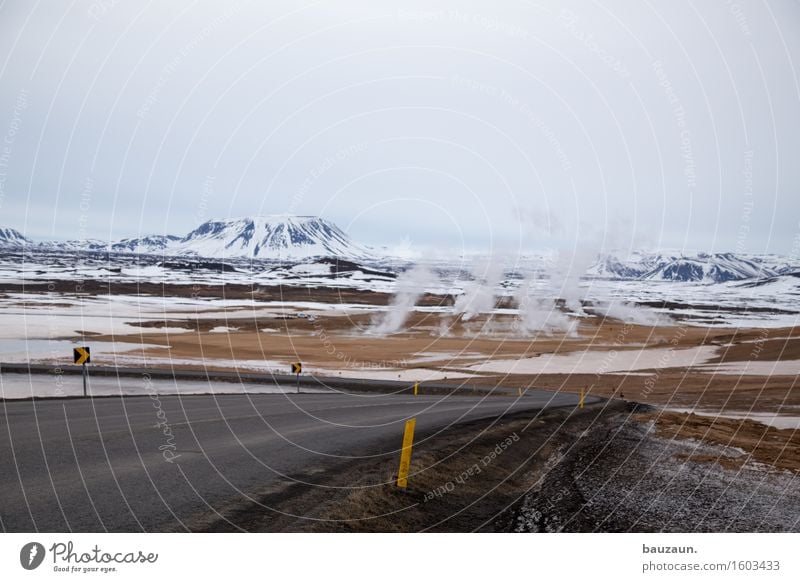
pixel 438 124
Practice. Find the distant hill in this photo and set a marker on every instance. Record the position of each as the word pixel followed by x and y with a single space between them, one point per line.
pixel 686 267
pixel 261 237
pixel 13 238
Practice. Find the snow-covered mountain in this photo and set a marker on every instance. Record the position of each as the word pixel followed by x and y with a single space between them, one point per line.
pixel 697 267
pixel 155 244
pixel 270 237
pixel 263 237
pixel 711 268
pixel 12 238
pixel 628 268
pixel 293 239
pixel 71 246
pixel 788 282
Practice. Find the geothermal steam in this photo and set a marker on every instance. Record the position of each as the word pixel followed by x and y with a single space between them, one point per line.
pixel 479 293
pixel 537 297
pixel 410 286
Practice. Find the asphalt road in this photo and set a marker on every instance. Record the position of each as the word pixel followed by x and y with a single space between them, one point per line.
pixel 145 464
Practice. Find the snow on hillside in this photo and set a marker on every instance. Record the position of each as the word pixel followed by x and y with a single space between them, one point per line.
pixel 687 267
pixel 712 268
pixel 12 238
pixel 273 237
pixel 263 237
pixel 295 239
pixel 784 283
pixel 155 244
pixel 627 268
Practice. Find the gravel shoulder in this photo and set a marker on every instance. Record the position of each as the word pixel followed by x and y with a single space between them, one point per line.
pixel 633 475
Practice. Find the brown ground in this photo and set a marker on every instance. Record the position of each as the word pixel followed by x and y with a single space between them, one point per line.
pixel 346 335
pixel 341 342
pixel 764 444
pixel 765 350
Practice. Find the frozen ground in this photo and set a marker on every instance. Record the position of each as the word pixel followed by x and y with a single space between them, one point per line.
pixel 44 326
pixel 771 303
pixel 52 316
pixel 754 368
pixel 56 350
pixel 37 267
pixel 631 361
pixel 591 362
pixel 626 479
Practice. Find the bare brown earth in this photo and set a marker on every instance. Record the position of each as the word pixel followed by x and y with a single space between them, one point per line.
pixel 330 339
pixel 341 342
pixel 763 350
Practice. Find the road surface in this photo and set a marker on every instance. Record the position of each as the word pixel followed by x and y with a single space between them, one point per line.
pixel 162 463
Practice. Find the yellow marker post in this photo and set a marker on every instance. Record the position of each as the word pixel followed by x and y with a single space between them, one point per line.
pixel 582 397
pixel 416 388
pixel 405 454
pixel 519 391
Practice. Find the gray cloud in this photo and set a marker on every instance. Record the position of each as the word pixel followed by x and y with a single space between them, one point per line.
pixel 449 123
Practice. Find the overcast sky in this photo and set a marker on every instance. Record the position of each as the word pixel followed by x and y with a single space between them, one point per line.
pixel 447 124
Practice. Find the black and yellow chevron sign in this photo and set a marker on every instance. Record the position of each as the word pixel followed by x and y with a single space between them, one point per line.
pixel 82 355
pixel 297 368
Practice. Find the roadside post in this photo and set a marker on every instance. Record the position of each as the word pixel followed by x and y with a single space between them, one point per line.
pixel 82 356
pixel 297 368
pixel 416 388
pixel 405 454
pixel 583 395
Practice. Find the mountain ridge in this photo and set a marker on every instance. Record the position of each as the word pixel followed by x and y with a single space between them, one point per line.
pixel 292 238
pixel 12 237
pixel 699 266
pixel 258 237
